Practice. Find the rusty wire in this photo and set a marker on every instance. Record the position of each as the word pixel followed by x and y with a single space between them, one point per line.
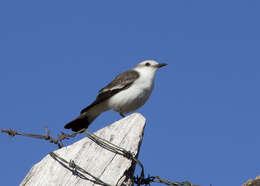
pixel 57 141
pixel 77 168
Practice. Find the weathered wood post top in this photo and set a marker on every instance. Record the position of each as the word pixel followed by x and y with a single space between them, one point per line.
pixel 107 166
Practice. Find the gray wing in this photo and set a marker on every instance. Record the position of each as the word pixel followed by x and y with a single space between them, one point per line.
pixel 121 82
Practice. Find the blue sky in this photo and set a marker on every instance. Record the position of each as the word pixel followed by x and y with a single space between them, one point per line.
pixel 203 116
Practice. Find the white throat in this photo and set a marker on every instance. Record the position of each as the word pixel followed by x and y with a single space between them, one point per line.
pixel 146 74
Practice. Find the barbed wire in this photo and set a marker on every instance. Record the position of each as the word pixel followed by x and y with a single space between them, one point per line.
pixel 157 179
pixel 138 180
pixel 57 141
pixel 77 169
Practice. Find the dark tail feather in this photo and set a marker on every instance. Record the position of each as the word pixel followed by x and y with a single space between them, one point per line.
pixel 79 123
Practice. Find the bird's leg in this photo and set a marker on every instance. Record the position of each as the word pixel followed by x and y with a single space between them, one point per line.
pixel 121 114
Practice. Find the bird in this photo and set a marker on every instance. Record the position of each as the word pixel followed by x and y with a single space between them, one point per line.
pixel 126 93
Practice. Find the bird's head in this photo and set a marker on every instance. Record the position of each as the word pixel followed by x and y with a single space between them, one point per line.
pixel 148 68
pixel 150 65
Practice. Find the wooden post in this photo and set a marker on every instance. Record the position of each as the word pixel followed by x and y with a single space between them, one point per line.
pixel 107 166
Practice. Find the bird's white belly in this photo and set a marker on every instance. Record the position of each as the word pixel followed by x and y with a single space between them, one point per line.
pixel 130 99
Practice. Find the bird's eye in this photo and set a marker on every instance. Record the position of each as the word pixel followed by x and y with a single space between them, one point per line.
pixel 147 64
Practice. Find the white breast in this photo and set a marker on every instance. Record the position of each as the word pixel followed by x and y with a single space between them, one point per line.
pixel 135 96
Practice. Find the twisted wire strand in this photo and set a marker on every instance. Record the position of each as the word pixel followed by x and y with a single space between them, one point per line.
pixel 77 168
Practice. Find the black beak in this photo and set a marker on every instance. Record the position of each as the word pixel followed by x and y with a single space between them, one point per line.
pixel 161 65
